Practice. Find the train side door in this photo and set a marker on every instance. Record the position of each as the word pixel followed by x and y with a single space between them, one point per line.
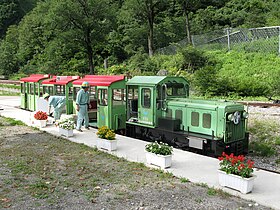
pixel 23 95
pixel 102 108
pixel 30 96
pixel 146 106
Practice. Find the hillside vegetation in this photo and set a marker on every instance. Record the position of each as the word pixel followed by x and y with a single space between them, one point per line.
pixel 74 37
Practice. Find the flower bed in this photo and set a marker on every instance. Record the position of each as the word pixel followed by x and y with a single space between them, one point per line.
pixel 159 154
pixel 106 139
pixel 105 133
pixel 67 124
pixel 236 165
pixel 159 148
pixel 236 173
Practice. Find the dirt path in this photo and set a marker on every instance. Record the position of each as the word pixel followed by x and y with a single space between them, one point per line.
pixel 40 171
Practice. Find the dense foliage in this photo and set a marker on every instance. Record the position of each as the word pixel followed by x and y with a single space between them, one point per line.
pixel 79 37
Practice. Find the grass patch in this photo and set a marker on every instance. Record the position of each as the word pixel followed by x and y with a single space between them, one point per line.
pixel 10 121
pixel 263 149
pixel 44 170
pixel 39 190
pixel 277 140
pixel 184 180
pixel 12 86
pixel 8 93
pixel 265 137
pixel 56 164
pixel 202 185
pixel 211 191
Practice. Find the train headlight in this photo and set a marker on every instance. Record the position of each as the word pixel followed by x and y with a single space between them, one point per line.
pixel 230 117
pixel 245 115
pixel 236 117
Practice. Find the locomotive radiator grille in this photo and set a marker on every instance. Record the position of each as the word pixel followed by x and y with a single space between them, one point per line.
pixel 235 132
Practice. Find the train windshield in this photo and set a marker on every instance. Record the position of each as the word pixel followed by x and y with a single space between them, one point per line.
pixel 175 89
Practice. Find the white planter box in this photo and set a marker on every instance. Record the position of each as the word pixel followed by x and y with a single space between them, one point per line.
pixel 67 133
pixel 163 161
pixel 244 185
pixel 41 123
pixel 109 145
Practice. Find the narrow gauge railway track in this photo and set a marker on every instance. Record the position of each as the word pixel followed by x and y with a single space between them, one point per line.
pixel 10 82
pixel 260 104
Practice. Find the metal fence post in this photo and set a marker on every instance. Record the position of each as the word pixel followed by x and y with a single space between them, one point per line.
pixel 279 41
pixel 228 38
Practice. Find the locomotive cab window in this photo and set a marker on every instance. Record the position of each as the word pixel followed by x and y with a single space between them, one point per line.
pixel 132 97
pixel 175 89
pixel 146 98
pixel 103 97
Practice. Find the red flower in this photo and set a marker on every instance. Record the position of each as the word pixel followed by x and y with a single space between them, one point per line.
pixel 220 158
pixel 41 115
pixel 232 164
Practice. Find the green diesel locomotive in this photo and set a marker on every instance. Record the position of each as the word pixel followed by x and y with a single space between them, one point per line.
pixel 152 108
pixel 158 108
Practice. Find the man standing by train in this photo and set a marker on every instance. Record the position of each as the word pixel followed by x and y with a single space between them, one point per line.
pixel 58 103
pixel 82 105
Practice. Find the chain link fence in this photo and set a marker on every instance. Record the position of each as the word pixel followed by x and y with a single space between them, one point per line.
pixel 265 40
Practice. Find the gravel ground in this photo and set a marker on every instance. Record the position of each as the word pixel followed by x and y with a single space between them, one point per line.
pixel 270 114
pixel 40 171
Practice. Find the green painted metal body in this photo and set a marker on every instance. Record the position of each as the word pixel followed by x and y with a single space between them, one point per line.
pixel 111 106
pixel 146 97
pixel 31 90
pixel 107 99
pixel 168 99
pixel 208 119
pixel 33 94
pixel 23 95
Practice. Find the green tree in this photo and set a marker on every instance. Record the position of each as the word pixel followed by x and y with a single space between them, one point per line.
pixel 141 16
pixel 85 22
pixel 11 12
pixel 8 48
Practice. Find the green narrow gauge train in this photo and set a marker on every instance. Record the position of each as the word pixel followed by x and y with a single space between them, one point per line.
pixel 158 108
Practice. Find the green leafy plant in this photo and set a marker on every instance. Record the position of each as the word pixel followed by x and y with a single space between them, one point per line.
pixel 105 133
pixel 159 148
pixel 232 164
pixel 67 124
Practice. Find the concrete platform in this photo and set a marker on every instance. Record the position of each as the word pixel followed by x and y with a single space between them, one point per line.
pixel 196 168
